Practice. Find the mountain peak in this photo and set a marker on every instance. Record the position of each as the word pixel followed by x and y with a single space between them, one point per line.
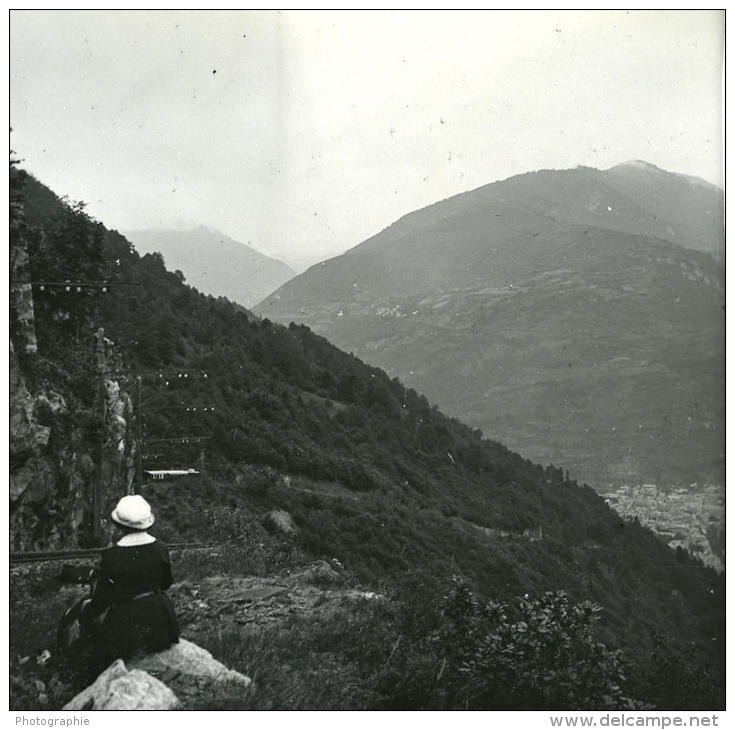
pixel 215 263
pixel 642 165
pixel 638 164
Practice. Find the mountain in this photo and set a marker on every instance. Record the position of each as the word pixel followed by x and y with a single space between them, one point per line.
pixel 115 361
pixel 557 311
pixel 215 263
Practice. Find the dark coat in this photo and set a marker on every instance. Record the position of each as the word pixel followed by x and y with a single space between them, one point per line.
pixel 140 618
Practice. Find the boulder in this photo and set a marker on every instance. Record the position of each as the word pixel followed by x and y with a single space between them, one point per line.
pixel 118 688
pixel 188 669
pixel 279 520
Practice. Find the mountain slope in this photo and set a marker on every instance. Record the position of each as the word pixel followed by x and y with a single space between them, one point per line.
pixel 551 311
pixel 692 207
pixel 215 263
pixel 368 470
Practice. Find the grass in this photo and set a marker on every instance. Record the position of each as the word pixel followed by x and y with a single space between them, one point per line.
pixel 323 661
pixel 294 665
pixel 36 604
pixel 340 653
pixel 306 663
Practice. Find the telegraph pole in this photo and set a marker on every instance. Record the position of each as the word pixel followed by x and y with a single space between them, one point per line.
pixel 138 486
pixel 97 486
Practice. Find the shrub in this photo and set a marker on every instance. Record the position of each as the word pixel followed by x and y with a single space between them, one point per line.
pixel 679 681
pixel 534 654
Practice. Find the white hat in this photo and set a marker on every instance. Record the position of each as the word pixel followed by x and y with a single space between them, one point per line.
pixel 133 511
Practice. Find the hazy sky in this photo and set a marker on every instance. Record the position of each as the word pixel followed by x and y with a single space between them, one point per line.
pixel 302 133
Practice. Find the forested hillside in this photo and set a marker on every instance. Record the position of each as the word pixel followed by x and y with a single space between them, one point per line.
pixel 372 474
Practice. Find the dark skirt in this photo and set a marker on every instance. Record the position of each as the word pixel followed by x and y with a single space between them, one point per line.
pixel 133 628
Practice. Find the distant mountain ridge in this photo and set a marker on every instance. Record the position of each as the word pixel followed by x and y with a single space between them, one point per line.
pixel 214 263
pixel 576 315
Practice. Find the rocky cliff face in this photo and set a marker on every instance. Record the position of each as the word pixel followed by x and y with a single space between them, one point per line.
pixel 48 487
pixel 28 438
pixel 58 449
pixel 21 293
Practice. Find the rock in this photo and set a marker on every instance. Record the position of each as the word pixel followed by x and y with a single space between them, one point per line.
pixel 27 437
pixel 188 668
pixel 53 401
pixel 37 476
pixel 119 689
pixel 278 520
pixel 320 572
pixel 257 594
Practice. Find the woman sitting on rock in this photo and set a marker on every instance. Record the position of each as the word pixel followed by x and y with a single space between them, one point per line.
pixel 136 616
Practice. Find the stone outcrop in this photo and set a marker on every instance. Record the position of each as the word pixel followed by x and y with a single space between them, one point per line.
pixel 55 458
pixel 318 573
pixel 189 669
pixel 36 477
pixel 21 291
pixel 161 681
pixel 119 688
pixel 49 469
pixel 32 470
pixel 27 437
